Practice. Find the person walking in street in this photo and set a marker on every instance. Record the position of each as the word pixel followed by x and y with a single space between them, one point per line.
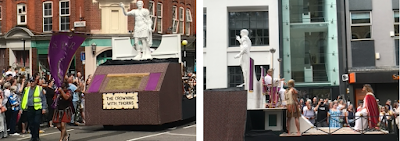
pixel 49 98
pixel 293 110
pixel 63 111
pixel 34 101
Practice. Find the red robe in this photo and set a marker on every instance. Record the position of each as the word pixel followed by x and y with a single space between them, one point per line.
pixel 372 108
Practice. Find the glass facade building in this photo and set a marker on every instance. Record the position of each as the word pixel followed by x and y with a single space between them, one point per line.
pixel 310 45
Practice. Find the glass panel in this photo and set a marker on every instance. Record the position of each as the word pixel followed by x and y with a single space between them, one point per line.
pixel 252 21
pixel 159 24
pixel 187 28
pixel 361 32
pixel 159 6
pixel 151 8
pixel 396 16
pixel 22 19
pixel 273 120
pixel 357 18
pixel 396 29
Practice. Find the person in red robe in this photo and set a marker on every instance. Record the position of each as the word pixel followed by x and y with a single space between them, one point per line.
pixel 369 109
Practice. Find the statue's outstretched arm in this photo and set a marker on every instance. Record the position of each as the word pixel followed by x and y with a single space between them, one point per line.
pixel 123 10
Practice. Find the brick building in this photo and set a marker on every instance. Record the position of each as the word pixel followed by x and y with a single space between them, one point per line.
pixel 27 25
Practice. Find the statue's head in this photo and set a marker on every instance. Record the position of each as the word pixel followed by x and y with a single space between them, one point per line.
pixel 139 4
pixel 244 32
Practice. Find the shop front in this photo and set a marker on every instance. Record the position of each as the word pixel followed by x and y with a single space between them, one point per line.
pixel 385 86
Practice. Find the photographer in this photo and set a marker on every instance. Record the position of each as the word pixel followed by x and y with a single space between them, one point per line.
pixel 322 113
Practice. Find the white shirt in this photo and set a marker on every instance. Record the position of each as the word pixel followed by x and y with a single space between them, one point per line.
pixel 282 94
pixel 7 94
pixel 268 80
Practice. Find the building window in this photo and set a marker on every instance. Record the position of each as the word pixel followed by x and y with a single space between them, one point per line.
pixel 235 76
pixel 21 14
pixel 204 78
pixel 175 20
pixel 396 23
pixel 258 70
pixel 255 22
pixel 181 20
pixel 47 16
pixel 20 59
pixel 188 21
pixel 64 15
pixel 205 27
pixel 159 17
pixel 360 25
pixel 152 14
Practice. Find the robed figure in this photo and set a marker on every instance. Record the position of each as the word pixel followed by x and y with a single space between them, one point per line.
pixel 244 55
pixel 368 115
pixel 142 31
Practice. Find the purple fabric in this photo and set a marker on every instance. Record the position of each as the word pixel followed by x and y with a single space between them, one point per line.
pixel 251 74
pixel 61 50
pixel 153 81
pixel 96 83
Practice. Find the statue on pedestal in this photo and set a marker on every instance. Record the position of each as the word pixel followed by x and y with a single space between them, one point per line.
pixel 142 30
pixel 244 55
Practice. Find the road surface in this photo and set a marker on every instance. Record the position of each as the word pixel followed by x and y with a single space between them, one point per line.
pixel 186 132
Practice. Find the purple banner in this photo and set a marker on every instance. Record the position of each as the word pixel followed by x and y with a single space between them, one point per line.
pixel 251 77
pixel 62 48
pixel 96 83
pixel 153 81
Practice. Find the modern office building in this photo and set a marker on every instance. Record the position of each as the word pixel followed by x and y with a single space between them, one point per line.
pixel 309 46
pixel 373 47
pixel 223 24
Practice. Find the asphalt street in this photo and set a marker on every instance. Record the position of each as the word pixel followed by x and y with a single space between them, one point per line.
pixel 186 132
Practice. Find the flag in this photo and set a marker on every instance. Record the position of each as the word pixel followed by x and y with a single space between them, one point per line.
pixel 62 48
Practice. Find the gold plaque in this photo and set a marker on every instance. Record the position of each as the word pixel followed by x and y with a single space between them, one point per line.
pixel 124 81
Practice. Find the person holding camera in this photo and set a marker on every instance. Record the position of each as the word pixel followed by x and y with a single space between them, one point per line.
pixel 322 113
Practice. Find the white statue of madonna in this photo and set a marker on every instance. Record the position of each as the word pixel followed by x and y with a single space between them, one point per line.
pixel 142 30
pixel 244 55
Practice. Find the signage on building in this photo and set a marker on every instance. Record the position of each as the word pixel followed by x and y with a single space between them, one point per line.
pixel 120 101
pixel 83 57
pixel 80 24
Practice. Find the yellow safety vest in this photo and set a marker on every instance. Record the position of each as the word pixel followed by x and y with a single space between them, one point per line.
pixel 37 101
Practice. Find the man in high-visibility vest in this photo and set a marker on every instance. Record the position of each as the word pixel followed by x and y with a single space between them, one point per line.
pixel 34 102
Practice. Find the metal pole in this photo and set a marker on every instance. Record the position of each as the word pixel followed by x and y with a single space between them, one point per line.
pixel 23 55
pixel 184 57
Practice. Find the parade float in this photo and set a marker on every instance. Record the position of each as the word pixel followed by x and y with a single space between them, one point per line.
pixel 139 86
pixel 256 111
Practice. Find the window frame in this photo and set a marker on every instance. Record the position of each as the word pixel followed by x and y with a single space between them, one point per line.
pixel 175 21
pixel 234 75
pixel 396 23
pixel 254 43
pixel 64 15
pixel 181 20
pixel 159 30
pixel 188 21
pixel 48 16
pixel 153 15
pixel 361 24
pixel 22 14
pixel 1 12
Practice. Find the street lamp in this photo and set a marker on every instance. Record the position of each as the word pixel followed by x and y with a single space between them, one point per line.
pixel 272 50
pixel 23 55
pixel 94 48
pixel 184 43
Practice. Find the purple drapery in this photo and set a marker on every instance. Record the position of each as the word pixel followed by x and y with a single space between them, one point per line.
pixel 62 48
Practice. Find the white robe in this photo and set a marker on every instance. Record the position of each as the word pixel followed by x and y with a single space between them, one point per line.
pixel 361 123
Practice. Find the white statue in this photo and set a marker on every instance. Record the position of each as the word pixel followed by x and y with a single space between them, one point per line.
pixel 142 30
pixel 244 55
